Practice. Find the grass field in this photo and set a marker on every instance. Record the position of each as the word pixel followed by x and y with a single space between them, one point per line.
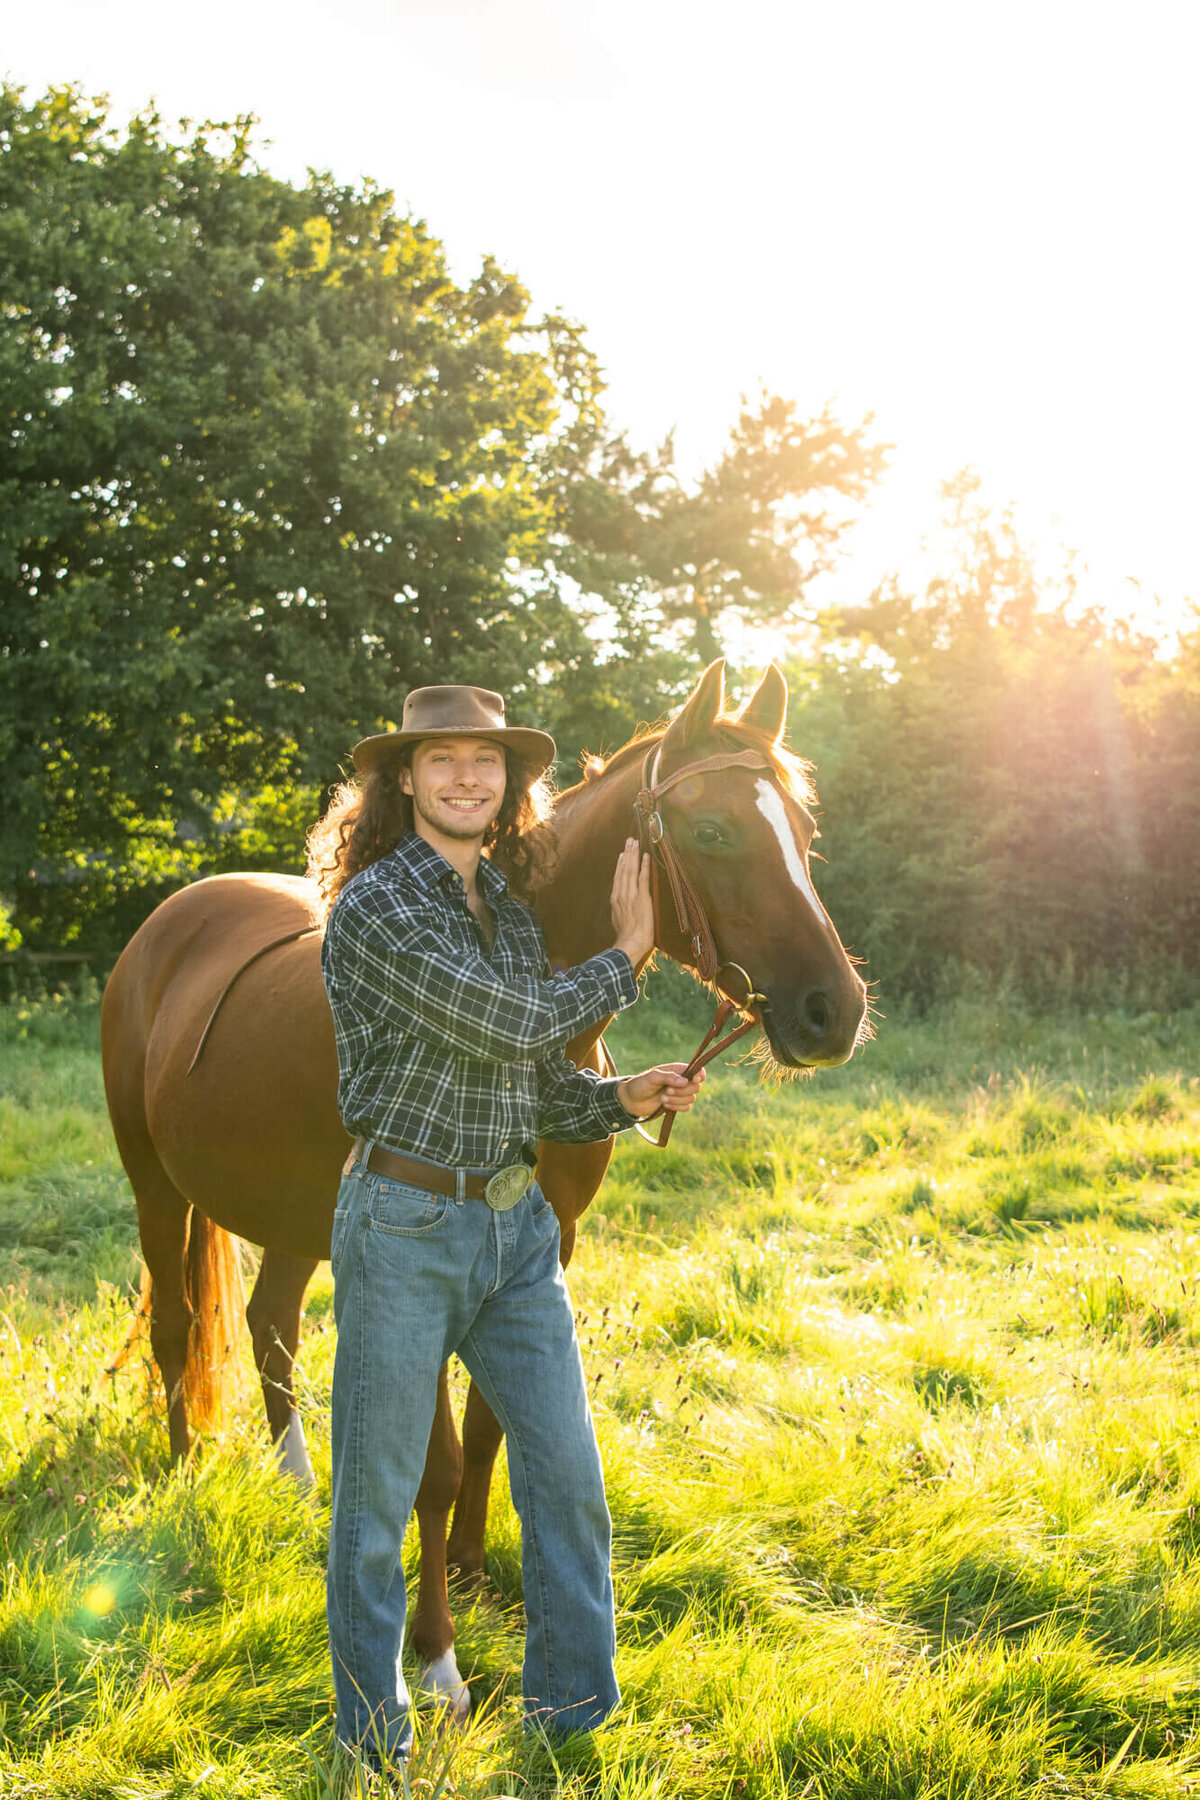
pixel 895 1376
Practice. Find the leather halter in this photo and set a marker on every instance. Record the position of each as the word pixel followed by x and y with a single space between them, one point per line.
pixel 656 842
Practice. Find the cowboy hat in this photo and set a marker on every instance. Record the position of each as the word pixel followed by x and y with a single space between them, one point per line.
pixel 456 712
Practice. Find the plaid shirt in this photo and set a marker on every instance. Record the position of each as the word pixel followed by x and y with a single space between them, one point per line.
pixel 449 1050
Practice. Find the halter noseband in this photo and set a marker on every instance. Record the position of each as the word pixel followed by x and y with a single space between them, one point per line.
pixel 656 842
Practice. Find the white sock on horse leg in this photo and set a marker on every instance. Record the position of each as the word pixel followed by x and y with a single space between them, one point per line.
pixel 291 1453
pixel 441 1681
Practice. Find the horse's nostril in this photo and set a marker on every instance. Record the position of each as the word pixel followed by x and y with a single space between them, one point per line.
pixel 816 1012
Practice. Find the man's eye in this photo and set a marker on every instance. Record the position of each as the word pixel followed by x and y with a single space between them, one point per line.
pixel 708 836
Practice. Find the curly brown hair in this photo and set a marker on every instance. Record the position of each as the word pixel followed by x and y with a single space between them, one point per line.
pixel 366 820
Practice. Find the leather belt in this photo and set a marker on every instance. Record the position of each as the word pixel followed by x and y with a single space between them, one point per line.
pixel 501 1190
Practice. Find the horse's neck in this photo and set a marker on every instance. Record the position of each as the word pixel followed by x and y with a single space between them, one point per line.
pixel 593 822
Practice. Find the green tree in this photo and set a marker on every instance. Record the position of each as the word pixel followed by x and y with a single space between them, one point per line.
pixel 263 468
pixel 679 563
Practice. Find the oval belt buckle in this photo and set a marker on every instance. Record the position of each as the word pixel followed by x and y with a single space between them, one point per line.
pixel 505 1189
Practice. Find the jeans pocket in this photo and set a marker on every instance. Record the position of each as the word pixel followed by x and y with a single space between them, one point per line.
pixel 401 1210
pixel 542 1215
pixel 340 1220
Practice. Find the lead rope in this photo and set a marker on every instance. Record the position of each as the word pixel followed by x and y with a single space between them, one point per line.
pixel 703 1056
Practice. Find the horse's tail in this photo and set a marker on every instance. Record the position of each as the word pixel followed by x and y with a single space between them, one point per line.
pixel 217 1297
pixel 216 1294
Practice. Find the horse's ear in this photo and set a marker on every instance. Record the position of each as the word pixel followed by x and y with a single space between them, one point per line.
pixel 766 709
pixel 702 710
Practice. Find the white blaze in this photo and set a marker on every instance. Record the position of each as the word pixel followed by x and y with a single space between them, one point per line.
pixel 770 805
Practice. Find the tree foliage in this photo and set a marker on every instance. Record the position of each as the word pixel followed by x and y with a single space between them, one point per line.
pixel 264 467
pixel 1005 778
pixel 742 543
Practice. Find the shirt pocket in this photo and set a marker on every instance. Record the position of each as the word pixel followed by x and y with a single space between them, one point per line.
pixel 402 1210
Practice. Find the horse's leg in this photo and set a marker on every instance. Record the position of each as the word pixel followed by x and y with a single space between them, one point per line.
pixel 162 1211
pixel 432 1628
pixel 273 1316
pixel 481 1440
pixel 570 1177
pixel 163 1215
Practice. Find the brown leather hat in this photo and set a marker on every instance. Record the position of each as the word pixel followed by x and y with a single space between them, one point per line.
pixel 456 712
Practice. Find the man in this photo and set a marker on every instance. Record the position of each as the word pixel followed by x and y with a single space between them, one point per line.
pixel 450 1033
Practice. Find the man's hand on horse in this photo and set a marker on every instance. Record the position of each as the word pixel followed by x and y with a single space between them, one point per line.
pixel 632 905
pixel 664 1087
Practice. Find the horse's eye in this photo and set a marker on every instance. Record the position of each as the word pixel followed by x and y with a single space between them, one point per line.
pixel 708 836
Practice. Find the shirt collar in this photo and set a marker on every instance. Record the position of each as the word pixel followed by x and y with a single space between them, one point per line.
pixel 494 886
pixel 428 868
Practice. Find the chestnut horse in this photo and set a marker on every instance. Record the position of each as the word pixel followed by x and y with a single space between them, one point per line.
pixel 223 1097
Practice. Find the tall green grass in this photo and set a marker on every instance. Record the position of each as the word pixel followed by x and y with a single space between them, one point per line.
pixel 895 1375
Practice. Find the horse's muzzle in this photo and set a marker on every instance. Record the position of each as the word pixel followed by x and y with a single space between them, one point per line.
pixel 816 1029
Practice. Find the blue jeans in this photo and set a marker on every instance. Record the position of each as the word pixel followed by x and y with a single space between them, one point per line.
pixel 419 1277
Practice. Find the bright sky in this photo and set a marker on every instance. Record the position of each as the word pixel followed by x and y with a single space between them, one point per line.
pixel 976 219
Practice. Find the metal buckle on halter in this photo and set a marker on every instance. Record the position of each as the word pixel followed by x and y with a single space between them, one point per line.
pixel 506 1188
pixel 649 816
pixel 752 996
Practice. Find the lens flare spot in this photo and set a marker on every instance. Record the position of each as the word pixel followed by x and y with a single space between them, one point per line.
pixel 99 1599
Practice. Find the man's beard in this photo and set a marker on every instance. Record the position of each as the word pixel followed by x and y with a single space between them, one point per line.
pixel 465 830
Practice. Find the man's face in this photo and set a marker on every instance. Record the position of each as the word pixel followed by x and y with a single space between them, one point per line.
pixel 457 785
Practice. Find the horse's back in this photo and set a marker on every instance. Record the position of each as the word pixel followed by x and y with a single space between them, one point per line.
pixel 216 1029
pixel 197 934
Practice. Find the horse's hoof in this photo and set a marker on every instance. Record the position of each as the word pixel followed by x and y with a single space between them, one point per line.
pixel 441 1682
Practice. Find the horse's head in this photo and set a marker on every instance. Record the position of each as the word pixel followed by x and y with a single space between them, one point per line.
pixel 743 835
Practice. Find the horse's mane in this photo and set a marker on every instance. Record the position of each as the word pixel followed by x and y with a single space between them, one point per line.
pixel 793 773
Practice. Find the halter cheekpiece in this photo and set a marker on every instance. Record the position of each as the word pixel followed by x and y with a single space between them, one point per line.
pixel 656 842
